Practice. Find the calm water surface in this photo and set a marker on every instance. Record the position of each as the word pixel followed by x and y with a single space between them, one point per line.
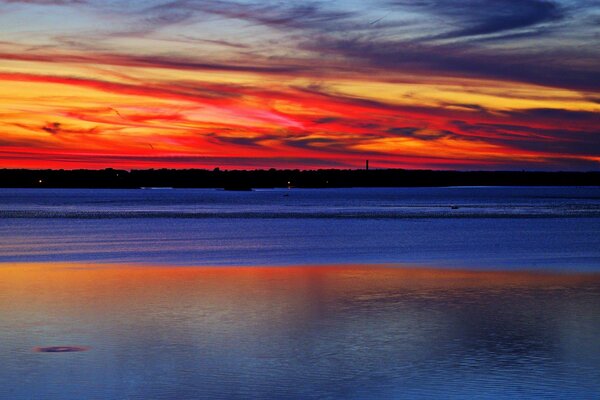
pixel 146 283
pixel 498 228
pixel 348 333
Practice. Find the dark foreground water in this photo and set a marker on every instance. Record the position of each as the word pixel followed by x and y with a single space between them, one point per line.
pixel 95 302
pixel 302 333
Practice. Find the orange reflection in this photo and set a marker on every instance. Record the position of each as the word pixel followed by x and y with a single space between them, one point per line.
pixel 114 307
pixel 90 281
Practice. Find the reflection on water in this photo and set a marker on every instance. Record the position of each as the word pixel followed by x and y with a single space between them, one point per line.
pixel 326 332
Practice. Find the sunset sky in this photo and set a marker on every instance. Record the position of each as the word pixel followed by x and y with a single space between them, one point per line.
pixel 472 84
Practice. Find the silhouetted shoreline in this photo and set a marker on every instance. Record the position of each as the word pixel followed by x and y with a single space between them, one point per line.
pixel 272 178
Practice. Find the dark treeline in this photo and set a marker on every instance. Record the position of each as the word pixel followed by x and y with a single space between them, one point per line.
pixel 241 180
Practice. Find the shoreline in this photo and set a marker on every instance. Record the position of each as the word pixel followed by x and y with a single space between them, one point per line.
pixel 244 180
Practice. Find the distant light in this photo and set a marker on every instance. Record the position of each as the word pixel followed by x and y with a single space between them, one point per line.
pixel 40 181
pixel 289 183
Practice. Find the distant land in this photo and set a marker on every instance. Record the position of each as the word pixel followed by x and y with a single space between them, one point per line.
pixel 276 178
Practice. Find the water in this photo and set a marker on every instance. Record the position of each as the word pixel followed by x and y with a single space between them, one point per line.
pixel 354 203
pixel 348 333
pixel 502 228
pixel 187 294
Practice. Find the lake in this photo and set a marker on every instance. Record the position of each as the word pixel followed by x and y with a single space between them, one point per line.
pixel 327 293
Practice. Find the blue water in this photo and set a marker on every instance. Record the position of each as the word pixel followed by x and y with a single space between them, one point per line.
pixel 96 270
pixel 500 228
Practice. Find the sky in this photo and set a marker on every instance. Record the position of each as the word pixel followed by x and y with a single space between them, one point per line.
pixel 440 84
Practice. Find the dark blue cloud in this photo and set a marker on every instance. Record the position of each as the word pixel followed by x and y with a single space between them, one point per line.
pixel 569 141
pixel 393 56
pixel 484 17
